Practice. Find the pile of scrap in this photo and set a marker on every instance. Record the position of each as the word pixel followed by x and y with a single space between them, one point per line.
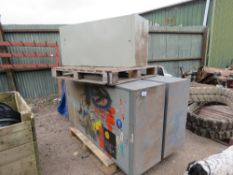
pixel 214 76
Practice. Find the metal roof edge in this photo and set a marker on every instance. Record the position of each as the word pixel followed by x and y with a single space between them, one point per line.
pixel 168 6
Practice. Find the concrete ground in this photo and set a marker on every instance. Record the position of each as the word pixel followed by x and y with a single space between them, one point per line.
pixel 62 154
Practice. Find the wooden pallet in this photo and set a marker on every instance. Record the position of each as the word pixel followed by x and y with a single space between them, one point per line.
pixel 80 75
pixel 107 165
pixel 103 75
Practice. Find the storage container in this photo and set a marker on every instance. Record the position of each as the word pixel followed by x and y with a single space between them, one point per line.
pixel 18 147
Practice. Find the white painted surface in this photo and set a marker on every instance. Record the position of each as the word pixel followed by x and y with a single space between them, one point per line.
pixel 115 42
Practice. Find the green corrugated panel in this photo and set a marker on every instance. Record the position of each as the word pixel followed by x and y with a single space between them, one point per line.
pixel 186 14
pixel 36 83
pixel 220 50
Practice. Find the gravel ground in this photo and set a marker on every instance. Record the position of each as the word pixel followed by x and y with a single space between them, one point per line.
pixel 62 154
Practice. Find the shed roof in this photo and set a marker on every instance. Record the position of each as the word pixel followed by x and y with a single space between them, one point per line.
pixel 168 6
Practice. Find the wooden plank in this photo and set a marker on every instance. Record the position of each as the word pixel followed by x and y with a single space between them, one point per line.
pixel 205 43
pixel 16 153
pixel 14 128
pixel 99 154
pixel 16 139
pixel 25 166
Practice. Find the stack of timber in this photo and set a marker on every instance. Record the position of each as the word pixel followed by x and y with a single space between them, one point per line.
pixel 18 147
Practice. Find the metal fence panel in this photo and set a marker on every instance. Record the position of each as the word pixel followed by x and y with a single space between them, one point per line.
pixel 34 83
pixel 176 47
pixel 3 82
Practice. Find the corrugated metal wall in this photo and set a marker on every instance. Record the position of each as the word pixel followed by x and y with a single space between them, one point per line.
pixel 221 38
pixel 38 83
pixel 220 53
pixel 186 14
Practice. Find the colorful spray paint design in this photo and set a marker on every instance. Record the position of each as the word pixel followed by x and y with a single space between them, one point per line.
pixel 98 117
pixel 102 103
pixel 96 109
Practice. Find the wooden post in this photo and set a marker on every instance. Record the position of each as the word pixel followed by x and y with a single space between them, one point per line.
pixel 9 72
pixel 205 40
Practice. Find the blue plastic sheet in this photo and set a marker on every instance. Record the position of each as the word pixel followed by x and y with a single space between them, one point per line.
pixel 62 107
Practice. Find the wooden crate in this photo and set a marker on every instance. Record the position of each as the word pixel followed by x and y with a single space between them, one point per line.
pixel 103 75
pixel 18 147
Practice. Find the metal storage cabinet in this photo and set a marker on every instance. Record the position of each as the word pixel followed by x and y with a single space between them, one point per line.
pixel 125 121
pixel 118 42
pixel 176 106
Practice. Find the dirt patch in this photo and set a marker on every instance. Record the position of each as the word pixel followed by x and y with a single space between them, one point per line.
pixel 62 154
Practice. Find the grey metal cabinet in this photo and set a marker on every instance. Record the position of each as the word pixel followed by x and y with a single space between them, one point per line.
pixel 176 106
pixel 125 121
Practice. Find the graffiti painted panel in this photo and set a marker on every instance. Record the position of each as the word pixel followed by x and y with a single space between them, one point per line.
pixel 97 109
pixel 110 143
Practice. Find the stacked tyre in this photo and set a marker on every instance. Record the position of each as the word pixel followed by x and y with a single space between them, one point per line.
pixel 220 128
